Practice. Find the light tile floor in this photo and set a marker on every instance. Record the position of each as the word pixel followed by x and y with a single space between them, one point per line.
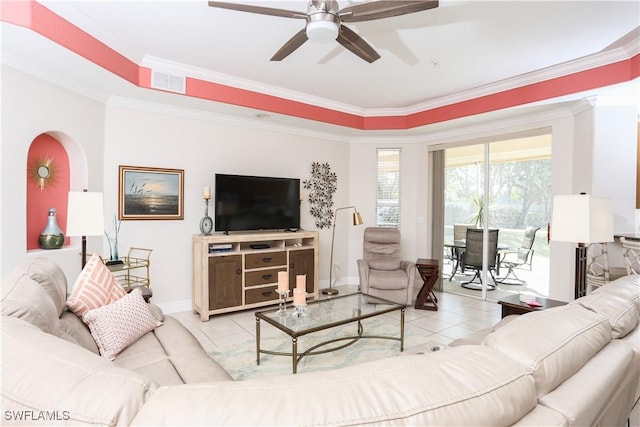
pixel 457 316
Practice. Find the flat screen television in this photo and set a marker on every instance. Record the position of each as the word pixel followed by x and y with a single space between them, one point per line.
pixel 256 203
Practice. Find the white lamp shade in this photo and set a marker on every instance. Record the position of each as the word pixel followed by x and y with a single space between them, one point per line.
pixel 85 214
pixel 582 219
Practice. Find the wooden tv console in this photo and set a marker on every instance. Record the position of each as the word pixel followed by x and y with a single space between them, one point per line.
pixel 240 270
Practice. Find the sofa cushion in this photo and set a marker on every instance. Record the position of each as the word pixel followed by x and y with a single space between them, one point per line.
pixel 117 325
pixel 593 398
pixel 50 277
pixel 147 357
pixel 628 287
pixel 542 416
pixel 24 298
pixel 467 385
pixel 188 357
pixel 554 344
pixel 94 288
pixel 622 313
pixel 76 331
pixel 171 355
pixel 44 375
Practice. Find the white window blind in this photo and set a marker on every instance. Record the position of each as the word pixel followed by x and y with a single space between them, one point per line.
pixel 388 187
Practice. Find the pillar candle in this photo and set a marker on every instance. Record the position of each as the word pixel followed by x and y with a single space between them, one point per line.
pixel 207 192
pixel 301 282
pixel 283 281
pixel 299 297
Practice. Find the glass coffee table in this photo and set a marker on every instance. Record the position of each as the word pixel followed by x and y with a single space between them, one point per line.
pixel 326 314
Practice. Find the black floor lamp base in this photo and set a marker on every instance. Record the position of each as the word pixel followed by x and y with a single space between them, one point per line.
pixel 330 291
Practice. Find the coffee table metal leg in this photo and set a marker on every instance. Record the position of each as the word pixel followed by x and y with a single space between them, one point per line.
pixel 294 354
pixel 402 330
pixel 257 340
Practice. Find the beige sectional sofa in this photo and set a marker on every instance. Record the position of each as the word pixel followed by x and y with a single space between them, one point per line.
pixel 573 365
pixel 51 366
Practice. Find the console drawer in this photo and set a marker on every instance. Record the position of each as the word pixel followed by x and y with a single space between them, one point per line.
pixel 261 294
pixel 262 277
pixel 265 259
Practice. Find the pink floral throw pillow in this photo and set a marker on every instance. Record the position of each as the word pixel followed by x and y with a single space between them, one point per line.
pixel 94 288
pixel 116 326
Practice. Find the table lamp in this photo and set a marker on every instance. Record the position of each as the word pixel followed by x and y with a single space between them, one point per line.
pixel 581 219
pixel 85 217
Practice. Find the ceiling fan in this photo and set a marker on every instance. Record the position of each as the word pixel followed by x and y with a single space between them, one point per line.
pixel 324 22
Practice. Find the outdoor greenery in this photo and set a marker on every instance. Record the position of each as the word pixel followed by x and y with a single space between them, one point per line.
pixel 388 188
pixel 519 194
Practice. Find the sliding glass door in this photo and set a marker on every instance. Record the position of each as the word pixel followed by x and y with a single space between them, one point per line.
pixel 497 204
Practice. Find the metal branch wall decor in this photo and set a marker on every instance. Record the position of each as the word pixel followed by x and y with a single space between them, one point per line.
pixel 323 183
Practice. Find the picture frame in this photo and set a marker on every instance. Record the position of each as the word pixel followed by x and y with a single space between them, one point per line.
pixel 148 193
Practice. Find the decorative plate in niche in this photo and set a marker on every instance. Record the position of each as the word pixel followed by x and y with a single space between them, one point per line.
pixel 42 171
pixel 323 183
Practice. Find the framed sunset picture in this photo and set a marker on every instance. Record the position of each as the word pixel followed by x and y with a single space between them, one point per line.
pixel 150 193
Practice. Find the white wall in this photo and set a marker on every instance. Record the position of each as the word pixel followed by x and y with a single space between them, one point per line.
pixel 203 147
pixel 614 158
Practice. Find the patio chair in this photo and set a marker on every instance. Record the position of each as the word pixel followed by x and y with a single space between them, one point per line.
pixel 455 253
pixel 598 271
pixel 382 273
pixel 631 255
pixel 521 258
pixel 460 231
pixel 472 257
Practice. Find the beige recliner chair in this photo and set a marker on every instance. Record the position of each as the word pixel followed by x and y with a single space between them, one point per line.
pixel 382 273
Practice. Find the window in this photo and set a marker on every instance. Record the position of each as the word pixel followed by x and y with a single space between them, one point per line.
pixel 388 187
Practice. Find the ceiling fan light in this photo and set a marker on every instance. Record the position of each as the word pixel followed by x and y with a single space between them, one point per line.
pixel 322 31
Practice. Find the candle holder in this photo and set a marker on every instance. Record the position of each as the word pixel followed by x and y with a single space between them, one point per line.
pixel 300 311
pixel 282 303
pixel 206 223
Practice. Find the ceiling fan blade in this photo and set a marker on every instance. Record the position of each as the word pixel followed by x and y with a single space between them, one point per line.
pixel 356 44
pixel 259 9
pixel 294 42
pixel 384 9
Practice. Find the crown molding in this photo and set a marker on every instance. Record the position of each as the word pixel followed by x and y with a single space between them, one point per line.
pixel 522 121
pixel 184 70
pixel 219 118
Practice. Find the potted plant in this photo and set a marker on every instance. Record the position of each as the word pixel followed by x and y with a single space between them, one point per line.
pixel 478 217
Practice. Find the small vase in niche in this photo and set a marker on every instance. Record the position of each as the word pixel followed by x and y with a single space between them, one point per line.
pixel 51 237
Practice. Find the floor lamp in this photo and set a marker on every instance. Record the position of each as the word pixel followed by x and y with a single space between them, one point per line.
pixel 581 219
pixel 357 220
pixel 85 217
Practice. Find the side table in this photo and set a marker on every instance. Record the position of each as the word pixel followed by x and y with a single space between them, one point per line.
pixel 511 305
pixel 429 271
pixel 137 260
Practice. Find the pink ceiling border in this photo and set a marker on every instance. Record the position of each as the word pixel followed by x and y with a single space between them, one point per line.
pixel 43 21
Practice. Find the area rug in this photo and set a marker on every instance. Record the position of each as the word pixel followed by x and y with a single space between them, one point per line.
pixel 239 360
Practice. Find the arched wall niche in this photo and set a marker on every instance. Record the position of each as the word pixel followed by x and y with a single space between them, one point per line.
pixel 56 164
